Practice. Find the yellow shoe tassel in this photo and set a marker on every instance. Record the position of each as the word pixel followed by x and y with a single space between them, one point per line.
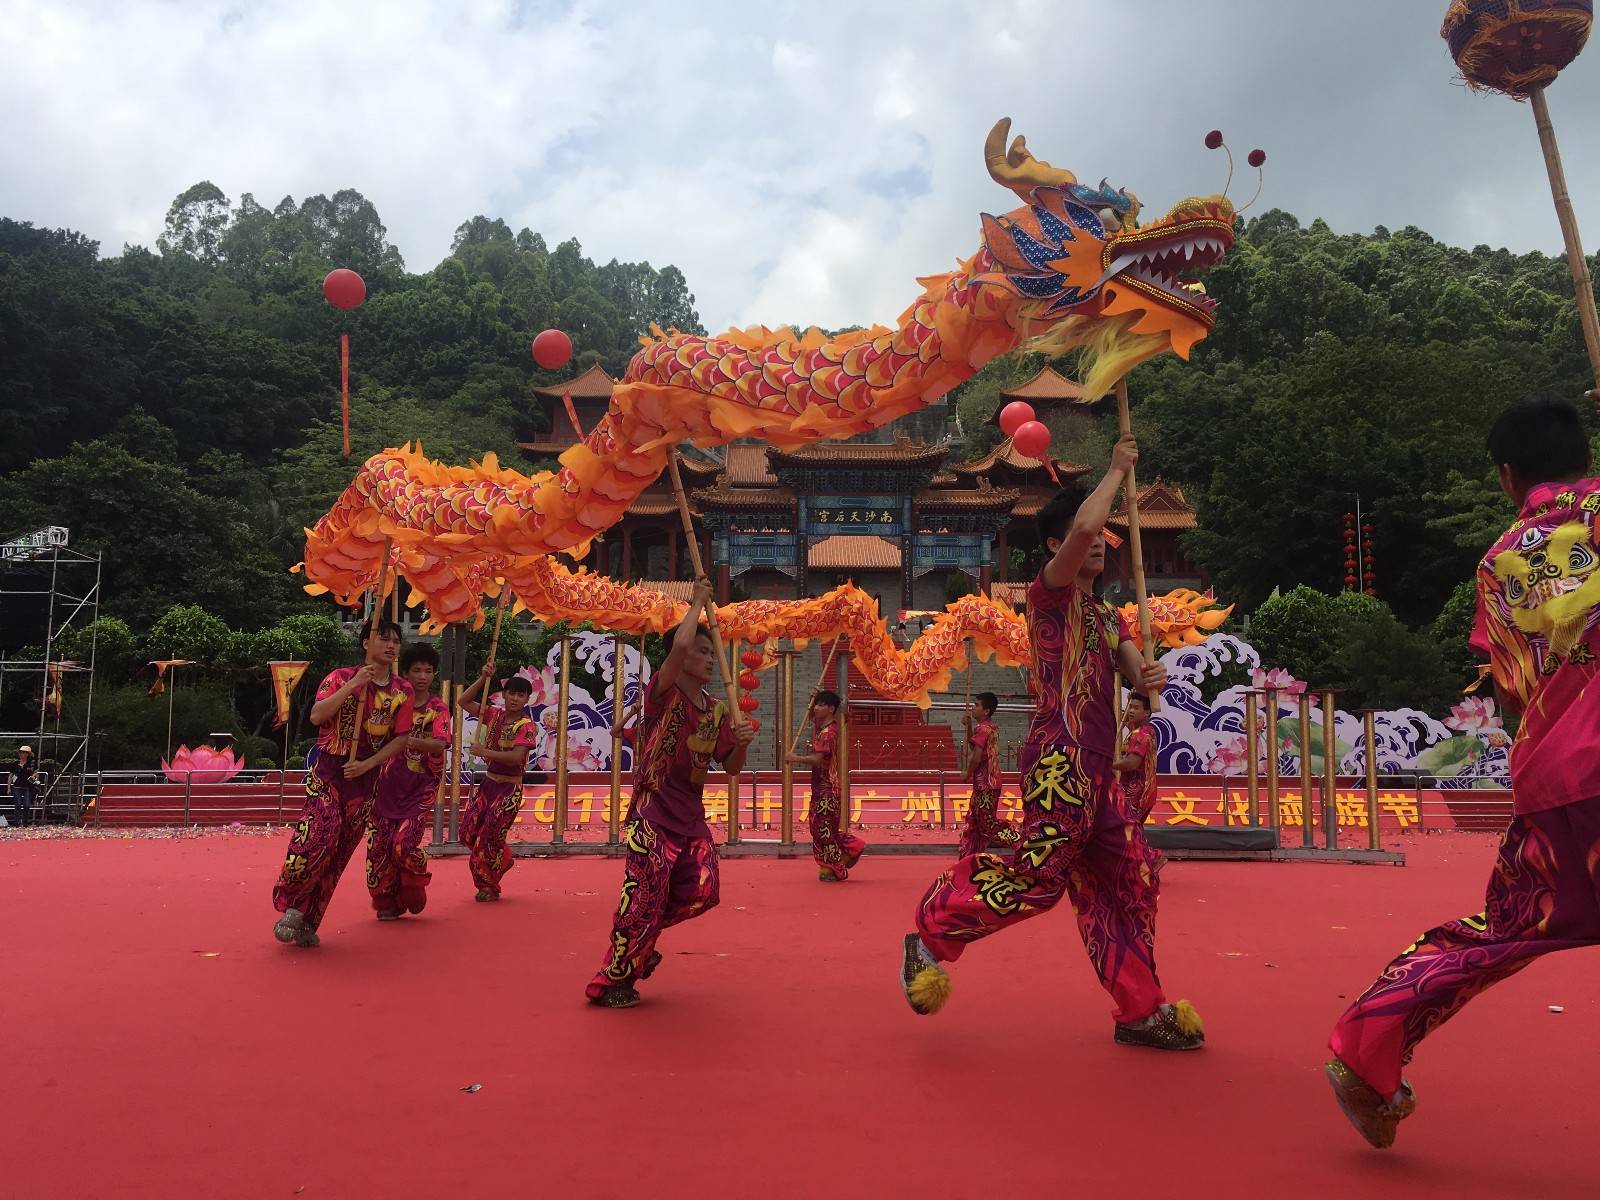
pixel 929 990
pixel 1188 1020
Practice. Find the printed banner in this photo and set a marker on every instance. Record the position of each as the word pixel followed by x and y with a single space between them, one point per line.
pixel 161 665
pixel 286 675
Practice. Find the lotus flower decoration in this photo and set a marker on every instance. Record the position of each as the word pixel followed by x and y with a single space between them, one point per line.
pixel 202 765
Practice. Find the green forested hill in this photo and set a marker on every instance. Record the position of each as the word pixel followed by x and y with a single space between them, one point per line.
pixel 181 406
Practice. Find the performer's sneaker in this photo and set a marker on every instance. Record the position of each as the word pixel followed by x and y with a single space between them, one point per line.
pixel 854 858
pixel 827 876
pixel 307 939
pixel 389 914
pixel 485 896
pixel 1170 1027
pixel 1375 1118
pixel 290 924
pixel 650 965
pixel 619 995
pixel 922 979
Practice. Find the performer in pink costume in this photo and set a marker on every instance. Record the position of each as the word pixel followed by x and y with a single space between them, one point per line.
pixel 1077 840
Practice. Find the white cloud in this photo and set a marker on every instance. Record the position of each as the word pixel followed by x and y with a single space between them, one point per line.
pixel 798 161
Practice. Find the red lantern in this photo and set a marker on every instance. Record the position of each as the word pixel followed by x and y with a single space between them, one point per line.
pixel 1014 415
pixel 751 658
pixel 1032 440
pixel 1373 592
pixel 1367 529
pixel 748 704
pixel 344 288
pixel 1350 582
pixel 1350 564
pixel 552 349
pixel 749 681
pixel 754 724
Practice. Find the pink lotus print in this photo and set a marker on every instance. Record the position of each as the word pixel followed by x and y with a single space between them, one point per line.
pixel 1475 714
pixel 202 765
pixel 1285 683
pixel 1228 757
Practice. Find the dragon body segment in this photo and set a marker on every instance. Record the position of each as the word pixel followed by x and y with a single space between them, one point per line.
pixel 1070 268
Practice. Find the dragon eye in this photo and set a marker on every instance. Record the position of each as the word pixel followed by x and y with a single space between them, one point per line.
pixel 1530 538
pixel 1514 589
pixel 1580 558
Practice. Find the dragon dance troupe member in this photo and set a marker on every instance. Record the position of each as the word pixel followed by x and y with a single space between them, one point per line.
pixel 338 792
pixel 670 866
pixel 397 865
pixel 835 849
pixel 1077 840
pixel 1538 623
pixel 509 735
pixel 983 773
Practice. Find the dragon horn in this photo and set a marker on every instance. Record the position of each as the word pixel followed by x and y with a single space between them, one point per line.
pixel 1016 168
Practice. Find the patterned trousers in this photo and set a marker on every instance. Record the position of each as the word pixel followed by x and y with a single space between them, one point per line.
pixel 665 880
pixel 397 865
pixel 1544 895
pixel 484 826
pixel 983 822
pixel 836 850
pixel 1077 842
pixel 330 828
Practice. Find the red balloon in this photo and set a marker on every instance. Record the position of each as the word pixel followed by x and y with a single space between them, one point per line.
pixel 1032 440
pixel 344 288
pixel 751 658
pixel 1013 415
pixel 749 704
pixel 749 681
pixel 552 349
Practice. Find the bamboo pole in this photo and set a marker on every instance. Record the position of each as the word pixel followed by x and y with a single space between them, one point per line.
pixel 822 679
pixel 966 714
pixel 843 748
pixel 494 647
pixel 1135 543
pixel 377 615
pixel 1582 286
pixel 438 792
pixel 735 714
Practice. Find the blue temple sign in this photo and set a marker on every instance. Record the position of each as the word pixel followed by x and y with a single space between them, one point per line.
pixel 824 516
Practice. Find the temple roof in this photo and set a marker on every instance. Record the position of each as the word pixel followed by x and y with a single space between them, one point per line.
pixel 724 497
pixel 747 465
pixel 1048 384
pixel 1161 506
pixel 858 454
pixel 854 553
pixel 593 384
pixel 652 503
pixel 1006 455
pixel 984 499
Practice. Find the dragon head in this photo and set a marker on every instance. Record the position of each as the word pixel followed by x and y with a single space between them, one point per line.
pixel 1087 273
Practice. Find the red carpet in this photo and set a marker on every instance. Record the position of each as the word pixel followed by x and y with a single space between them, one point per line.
pixel 159 1043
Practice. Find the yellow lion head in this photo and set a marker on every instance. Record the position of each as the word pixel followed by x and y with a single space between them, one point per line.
pixel 1551 583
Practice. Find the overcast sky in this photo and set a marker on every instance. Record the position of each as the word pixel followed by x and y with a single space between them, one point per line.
pixel 800 161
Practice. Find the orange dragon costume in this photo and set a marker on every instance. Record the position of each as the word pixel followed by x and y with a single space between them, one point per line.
pixel 1071 268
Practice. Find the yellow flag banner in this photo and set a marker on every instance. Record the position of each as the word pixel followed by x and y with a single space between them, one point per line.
pixel 286 675
pixel 161 665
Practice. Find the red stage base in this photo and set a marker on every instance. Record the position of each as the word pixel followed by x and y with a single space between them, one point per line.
pixel 159 1043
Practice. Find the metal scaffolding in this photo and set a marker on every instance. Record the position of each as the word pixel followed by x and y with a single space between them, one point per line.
pixel 48 592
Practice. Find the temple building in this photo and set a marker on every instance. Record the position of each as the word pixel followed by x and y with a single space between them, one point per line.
pixel 891 512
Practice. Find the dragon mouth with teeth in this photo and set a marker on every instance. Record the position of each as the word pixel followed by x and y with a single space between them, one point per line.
pixel 1156 261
